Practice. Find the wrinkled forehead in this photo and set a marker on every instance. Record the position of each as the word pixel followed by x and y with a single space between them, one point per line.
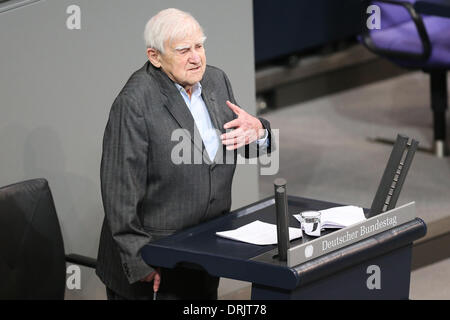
pixel 187 43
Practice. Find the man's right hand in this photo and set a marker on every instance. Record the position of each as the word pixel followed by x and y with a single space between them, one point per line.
pixel 155 276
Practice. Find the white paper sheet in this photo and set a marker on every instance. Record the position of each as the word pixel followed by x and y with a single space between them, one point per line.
pixel 258 232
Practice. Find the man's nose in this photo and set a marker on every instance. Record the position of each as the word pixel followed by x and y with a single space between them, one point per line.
pixel 194 57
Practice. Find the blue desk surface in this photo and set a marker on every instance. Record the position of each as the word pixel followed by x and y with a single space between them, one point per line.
pixel 200 247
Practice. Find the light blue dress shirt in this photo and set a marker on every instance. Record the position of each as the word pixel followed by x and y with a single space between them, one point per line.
pixel 202 119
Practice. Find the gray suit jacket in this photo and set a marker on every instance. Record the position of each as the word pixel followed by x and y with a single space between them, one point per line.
pixel 145 195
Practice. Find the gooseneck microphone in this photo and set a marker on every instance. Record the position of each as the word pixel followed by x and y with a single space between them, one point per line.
pixel 281 206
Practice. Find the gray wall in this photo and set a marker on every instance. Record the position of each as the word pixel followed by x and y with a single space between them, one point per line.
pixel 57 86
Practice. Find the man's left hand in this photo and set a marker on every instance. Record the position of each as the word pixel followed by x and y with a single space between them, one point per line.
pixel 248 129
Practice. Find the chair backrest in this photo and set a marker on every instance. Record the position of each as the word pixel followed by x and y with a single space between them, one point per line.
pixel 32 261
pixel 401 35
pixel 393 15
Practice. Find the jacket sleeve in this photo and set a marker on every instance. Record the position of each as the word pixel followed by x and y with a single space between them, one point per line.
pixel 123 176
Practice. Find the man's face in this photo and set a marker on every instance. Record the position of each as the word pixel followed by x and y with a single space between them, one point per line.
pixel 184 60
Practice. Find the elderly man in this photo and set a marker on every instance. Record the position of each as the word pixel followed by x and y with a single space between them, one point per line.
pixel 146 195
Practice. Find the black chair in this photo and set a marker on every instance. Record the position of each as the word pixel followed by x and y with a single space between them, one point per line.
pixel 415 34
pixel 32 258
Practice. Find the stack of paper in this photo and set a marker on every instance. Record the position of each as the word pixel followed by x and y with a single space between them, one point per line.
pixel 258 232
pixel 263 233
pixel 339 217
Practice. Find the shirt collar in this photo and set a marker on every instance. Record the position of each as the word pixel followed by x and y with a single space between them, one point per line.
pixel 196 89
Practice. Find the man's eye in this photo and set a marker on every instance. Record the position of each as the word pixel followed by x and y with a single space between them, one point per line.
pixel 184 51
pixel 199 46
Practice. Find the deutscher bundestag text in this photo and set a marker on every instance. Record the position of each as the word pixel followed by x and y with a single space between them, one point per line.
pixel 363 231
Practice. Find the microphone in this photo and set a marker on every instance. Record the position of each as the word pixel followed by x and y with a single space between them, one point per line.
pixel 281 206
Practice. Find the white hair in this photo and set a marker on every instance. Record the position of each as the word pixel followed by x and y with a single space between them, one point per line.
pixel 168 25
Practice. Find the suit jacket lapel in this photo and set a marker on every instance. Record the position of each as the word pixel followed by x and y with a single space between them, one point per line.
pixel 210 101
pixel 217 114
pixel 177 107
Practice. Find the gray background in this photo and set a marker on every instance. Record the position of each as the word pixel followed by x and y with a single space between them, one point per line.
pixel 57 86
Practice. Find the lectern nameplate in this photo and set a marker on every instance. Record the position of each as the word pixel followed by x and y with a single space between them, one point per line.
pixel 344 237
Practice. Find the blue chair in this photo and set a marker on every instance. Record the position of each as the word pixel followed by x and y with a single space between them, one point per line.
pixel 416 34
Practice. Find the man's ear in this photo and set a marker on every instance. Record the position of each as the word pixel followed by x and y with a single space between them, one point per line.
pixel 153 57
